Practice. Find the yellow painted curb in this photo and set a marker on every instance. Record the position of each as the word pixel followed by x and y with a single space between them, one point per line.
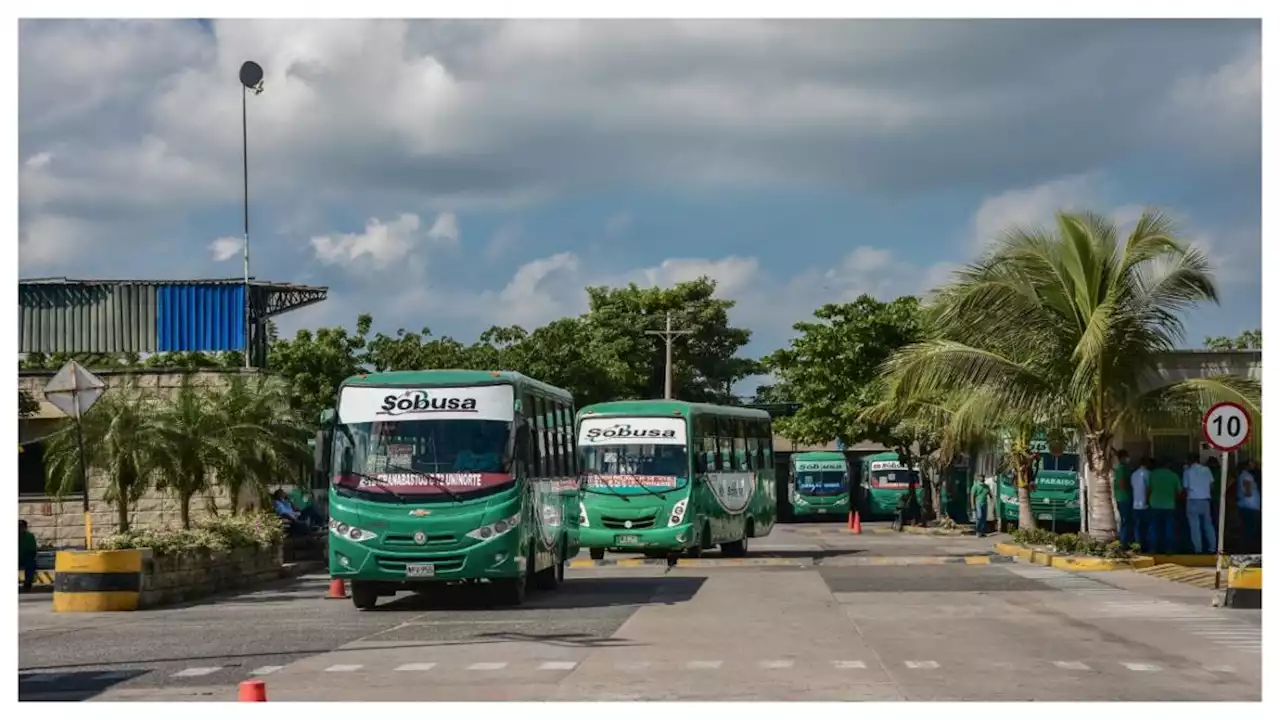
pixel 1070 562
pixel 1245 579
pixel 43 577
pixel 1191 561
pixel 976 560
pixel 97 581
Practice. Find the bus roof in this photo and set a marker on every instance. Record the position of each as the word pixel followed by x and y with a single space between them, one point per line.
pixel 667 408
pixel 890 456
pixel 819 456
pixel 452 378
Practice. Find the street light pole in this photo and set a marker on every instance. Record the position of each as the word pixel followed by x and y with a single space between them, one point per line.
pixel 250 79
pixel 668 335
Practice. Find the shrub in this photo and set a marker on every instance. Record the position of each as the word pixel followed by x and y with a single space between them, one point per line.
pixel 256 530
pixel 1066 543
pixel 1073 544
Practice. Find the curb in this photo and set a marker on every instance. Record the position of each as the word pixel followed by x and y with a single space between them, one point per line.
pixel 1189 561
pixel 1244 589
pixel 837 561
pixel 303 567
pixel 43 577
pixel 1071 563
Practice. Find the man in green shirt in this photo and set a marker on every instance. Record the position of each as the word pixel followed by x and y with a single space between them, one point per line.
pixel 980 494
pixel 1123 495
pixel 1162 504
pixel 28 549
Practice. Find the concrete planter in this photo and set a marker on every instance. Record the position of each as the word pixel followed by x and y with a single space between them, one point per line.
pixel 1083 563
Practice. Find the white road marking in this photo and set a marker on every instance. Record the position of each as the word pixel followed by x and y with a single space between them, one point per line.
pixel 777 664
pixel 265 669
pixel 921 664
pixel 1071 665
pixel 486 666
pixel 704 664
pixel 343 668
pixel 633 665
pixel 558 665
pixel 850 665
pixel 1220 668
pixel 415 667
pixel 196 672
pixel 1141 667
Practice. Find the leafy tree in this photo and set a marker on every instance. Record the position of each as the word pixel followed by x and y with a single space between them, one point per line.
pixel 565 353
pixel 27 405
pixel 315 364
pixel 705 362
pixel 832 369
pixel 122 440
pixel 195 439
pixel 1073 318
pixel 262 439
pixel 1247 340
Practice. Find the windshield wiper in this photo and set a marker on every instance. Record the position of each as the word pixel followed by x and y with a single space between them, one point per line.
pixel 606 482
pixel 380 483
pixel 436 480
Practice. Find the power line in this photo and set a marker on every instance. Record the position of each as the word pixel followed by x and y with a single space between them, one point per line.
pixel 669 335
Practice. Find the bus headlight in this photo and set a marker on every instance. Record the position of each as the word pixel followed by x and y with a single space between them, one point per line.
pixel 677 513
pixel 582 515
pixel 798 500
pixel 349 532
pixel 1073 503
pixel 493 530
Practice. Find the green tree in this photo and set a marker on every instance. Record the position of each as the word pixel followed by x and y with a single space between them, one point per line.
pixel 314 364
pixel 262 440
pixel 1247 340
pixel 27 405
pixel 566 354
pixel 1072 317
pixel 122 441
pixel 195 438
pixel 832 369
pixel 705 362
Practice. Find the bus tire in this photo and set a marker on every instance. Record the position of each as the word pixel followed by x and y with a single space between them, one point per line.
pixel 364 595
pixel 548 579
pixel 737 548
pixel 596 553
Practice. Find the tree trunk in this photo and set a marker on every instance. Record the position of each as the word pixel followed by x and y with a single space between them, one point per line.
pixel 122 510
pixel 184 510
pixel 1102 519
pixel 1022 480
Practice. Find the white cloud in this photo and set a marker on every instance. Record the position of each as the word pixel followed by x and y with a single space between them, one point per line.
pixel 52 241
pixel 382 243
pixel 39 160
pixel 1032 207
pixel 445 228
pixel 1220 111
pixel 225 248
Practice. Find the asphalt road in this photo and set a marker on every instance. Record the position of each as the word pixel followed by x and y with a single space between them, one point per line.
pixel 834 617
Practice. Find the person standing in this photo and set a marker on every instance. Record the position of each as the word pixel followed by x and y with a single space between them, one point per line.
pixel 981 496
pixel 1197 482
pixel 1249 503
pixel 1123 495
pixel 1162 504
pixel 28 550
pixel 1139 487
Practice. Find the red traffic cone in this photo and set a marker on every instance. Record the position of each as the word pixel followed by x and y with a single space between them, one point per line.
pixel 337 589
pixel 855 523
pixel 253 691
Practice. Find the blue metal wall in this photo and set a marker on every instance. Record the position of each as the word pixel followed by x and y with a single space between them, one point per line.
pixel 200 317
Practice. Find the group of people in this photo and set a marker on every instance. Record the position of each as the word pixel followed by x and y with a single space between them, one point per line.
pixel 299 514
pixel 1170 507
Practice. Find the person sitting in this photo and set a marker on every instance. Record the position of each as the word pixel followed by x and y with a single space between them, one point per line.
pixel 476 458
pixel 294 523
pixel 301 502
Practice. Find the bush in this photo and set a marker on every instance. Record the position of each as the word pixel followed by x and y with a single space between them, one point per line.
pixel 1073 544
pixel 256 530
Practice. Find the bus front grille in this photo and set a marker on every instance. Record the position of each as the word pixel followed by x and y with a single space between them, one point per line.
pixel 615 523
pixel 442 564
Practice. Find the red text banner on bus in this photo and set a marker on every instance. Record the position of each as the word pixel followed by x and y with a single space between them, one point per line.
pixel 418 484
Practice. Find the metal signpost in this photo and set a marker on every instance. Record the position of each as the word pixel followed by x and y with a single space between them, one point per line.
pixel 73 391
pixel 1226 427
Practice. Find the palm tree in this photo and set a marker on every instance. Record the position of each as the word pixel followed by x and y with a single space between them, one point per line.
pixel 1073 318
pixel 195 436
pixel 263 439
pixel 121 440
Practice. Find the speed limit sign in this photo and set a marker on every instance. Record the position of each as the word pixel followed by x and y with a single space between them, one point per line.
pixel 1226 426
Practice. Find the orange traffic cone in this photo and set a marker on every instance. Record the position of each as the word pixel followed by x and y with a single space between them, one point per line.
pixel 253 691
pixel 337 589
pixel 855 523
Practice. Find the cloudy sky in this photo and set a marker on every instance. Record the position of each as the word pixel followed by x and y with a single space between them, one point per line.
pixel 464 174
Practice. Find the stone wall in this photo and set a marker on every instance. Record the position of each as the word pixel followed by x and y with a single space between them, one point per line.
pixel 179 578
pixel 61 523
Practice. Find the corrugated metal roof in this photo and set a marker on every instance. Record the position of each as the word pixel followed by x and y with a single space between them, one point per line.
pixel 207 318
pixel 86 318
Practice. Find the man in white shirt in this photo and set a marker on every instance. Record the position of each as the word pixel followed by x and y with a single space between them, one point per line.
pixel 1249 503
pixel 1138 486
pixel 1197 482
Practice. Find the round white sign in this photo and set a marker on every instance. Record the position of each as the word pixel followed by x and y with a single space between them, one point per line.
pixel 1226 426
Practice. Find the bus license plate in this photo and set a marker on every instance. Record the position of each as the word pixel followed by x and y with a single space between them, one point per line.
pixel 419 570
pixel 1046 516
pixel 627 539
pixel 822 511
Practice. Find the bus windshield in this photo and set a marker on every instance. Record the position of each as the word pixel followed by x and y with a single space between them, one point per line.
pixel 418 456
pixel 894 478
pixel 821 482
pixel 637 464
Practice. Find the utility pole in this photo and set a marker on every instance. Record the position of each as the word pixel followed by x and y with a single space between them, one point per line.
pixel 668 335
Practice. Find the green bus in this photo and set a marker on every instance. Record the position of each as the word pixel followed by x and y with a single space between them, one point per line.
pixel 884 481
pixel 449 476
pixel 1055 494
pixel 665 477
pixel 819 484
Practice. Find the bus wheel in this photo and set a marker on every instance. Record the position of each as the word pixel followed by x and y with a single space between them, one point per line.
pixel 364 595
pixel 596 553
pixel 736 549
pixel 548 579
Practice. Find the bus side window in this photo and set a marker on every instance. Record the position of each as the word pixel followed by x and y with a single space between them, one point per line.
pixel 766 445
pixel 739 460
pixel 533 458
pixel 707 449
pixel 753 447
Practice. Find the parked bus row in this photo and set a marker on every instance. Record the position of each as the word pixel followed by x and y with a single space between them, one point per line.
pixel 458 476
